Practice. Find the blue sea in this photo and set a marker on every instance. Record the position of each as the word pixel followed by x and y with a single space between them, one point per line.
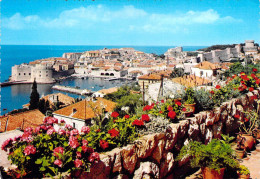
pixel 13 97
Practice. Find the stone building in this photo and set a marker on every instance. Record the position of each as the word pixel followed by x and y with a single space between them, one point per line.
pixel 25 73
pixel 250 48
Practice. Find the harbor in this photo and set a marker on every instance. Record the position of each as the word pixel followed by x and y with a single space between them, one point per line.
pixel 72 90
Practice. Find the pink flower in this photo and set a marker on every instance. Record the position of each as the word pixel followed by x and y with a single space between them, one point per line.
pixel 30 149
pixel 37 129
pixel 74 132
pixel 78 154
pixel 58 150
pixel 145 117
pixel 114 114
pixel 127 116
pixel 78 163
pixel 68 126
pixel 51 131
pixel 43 127
pixel 94 157
pixel 61 132
pixel 84 142
pixel 184 109
pixel 58 162
pixel 50 120
pixel 17 138
pixel 26 136
pixel 6 144
pixel 73 142
pixel 85 129
pixel 62 121
pixel 29 130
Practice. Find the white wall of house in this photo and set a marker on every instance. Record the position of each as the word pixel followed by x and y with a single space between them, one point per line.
pixel 201 72
pixel 77 123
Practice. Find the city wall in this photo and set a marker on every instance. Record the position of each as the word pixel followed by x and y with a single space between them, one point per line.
pixel 153 156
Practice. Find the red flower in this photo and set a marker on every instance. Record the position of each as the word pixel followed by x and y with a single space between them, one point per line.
pixel 218 87
pixel 160 112
pixel 178 103
pixel 30 149
pixel 94 157
pixel 78 163
pixel 152 104
pixel 254 97
pixel 85 129
pixel 147 108
pixel 127 116
pixel 87 149
pixel 242 73
pixel 242 82
pixel 254 70
pixel 253 75
pixel 50 131
pixel 170 108
pixel 184 109
pixel 138 122
pixel 113 132
pixel 236 116
pixel 78 154
pixel 58 150
pixel 61 132
pixel 98 130
pixel 145 117
pixel 251 89
pixel 58 162
pixel 240 88
pixel 257 81
pixel 246 120
pixel 172 114
pixel 212 92
pixel 103 144
pixel 162 101
pixel 114 114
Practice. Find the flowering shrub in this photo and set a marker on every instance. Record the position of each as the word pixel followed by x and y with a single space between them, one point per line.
pixel 45 152
pixel 167 109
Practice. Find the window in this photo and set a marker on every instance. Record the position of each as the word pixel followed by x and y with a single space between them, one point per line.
pixel 19 73
pixel 201 73
pixel 46 74
pixel 29 73
pixel 40 75
pixel 74 125
pixel 40 71
pixel 24 73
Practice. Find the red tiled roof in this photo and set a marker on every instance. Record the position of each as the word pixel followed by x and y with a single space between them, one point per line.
pixel 22 120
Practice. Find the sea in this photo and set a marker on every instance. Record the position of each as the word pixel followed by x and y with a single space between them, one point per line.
pixel 13 97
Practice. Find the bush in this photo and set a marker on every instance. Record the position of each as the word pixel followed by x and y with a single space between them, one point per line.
pixel 203 100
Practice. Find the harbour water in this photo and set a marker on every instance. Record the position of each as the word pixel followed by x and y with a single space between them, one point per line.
pixel 13 97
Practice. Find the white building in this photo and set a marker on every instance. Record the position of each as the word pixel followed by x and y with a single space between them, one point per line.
pixel 204 69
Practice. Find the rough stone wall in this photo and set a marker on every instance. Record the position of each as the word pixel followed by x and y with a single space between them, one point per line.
pixel 153 156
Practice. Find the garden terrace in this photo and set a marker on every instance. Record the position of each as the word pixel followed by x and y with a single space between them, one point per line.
pixel 154 155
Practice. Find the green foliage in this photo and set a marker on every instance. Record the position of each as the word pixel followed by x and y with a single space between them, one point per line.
pixel 127 133
pixel 203 100
pixel 189 96
pixel 34 98
pixel 243 170
pixel 215 47
pixel 236 68
pixel 216 155
pixel 124 97
pixel 177 72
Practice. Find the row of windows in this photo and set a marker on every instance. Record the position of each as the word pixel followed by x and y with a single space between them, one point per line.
pixel 24 74
pixel 30 74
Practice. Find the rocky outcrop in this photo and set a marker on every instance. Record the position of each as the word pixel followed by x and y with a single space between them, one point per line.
pixel 153 156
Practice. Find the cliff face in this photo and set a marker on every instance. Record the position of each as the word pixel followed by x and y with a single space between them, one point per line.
pixel 153 156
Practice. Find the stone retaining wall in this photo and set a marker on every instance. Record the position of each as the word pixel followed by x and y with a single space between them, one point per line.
pixel 153 156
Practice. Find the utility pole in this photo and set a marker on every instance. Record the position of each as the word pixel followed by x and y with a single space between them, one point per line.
pixel 143 93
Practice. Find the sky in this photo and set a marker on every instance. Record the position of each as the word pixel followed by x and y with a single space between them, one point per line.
pixel 129 22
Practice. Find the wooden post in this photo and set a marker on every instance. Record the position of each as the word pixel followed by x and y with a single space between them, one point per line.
pixel 143 93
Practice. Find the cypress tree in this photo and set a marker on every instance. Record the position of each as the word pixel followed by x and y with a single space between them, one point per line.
pixel 35 97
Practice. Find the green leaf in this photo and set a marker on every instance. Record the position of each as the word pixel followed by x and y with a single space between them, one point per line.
pixel 38 161
pixel 42 169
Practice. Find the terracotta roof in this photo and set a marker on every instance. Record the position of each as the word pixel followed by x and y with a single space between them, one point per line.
pixel 150 77
pixel 136 71
pixel 59 58
pixel 206 66
pixel 84 109
pixel 106 68
pixel 22 120
pixel 191 81
pixel 108 91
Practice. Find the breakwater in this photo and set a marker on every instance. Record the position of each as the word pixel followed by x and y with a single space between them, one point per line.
pixel 72 90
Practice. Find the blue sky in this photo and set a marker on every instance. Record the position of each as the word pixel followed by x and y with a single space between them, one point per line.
pixel 129 22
